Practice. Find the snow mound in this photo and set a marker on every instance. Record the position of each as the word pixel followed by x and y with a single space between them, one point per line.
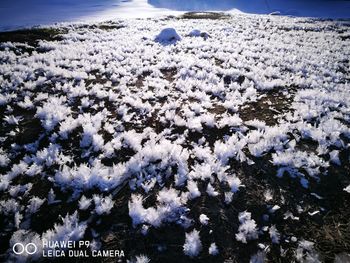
pixel 168 35
pixel 198 33
pixel 195 33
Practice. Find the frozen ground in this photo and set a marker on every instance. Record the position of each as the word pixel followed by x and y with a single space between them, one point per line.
pixel 223 139
pixel 16 14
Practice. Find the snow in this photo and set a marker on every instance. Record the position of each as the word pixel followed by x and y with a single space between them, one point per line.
pixel 195 33
pixel 274 235
pixel 21 13
pixel 268 195
pixel 70 230
pixel 204 219
pixel 168 35
pixel 211 191
pixel 84 203
pixel 9 207
pixel 4 160
pixel 193 190
pixel 12 120
pixel 247 229
pixel 103 205
pixel 142 259
pixel 52 112
pixel 25 237
pixel 334 157
pixel 213 249
pixel 168 210
pixel 51 198
pixel 228 197
pixel 234 182
pixel 136 210
pixel 198 33
pixel 193 244
pixel 34 205
pixel 259 257
pixel 306 252
pixel 293 161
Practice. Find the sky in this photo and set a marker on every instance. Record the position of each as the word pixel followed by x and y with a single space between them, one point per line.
pixel 24 13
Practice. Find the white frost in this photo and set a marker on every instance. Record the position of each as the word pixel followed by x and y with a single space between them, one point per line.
pixel 193 244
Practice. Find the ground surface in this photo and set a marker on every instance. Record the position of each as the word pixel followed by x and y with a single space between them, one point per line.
pixel 135 140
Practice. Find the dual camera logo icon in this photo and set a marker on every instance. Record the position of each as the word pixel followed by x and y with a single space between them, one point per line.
pixel 19 248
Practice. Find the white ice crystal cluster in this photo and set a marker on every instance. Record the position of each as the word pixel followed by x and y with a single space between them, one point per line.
pixel 193 244
pixel 170 208
pixel 247 229
pixel 306 252
pixel 70 230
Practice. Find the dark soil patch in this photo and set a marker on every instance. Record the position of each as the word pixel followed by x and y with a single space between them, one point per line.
pixel 229 79
pixel 345 37
pixel 217 109
pixel 169 74
pixel 218 62
pixel 32 36
pixel 204 15
pixel 307 145
pixel 141 79
pixel 273 103
pixel 98 78
pixel 107 26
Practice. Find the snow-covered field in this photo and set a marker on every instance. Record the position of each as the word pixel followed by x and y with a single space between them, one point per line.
pixel 217 139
